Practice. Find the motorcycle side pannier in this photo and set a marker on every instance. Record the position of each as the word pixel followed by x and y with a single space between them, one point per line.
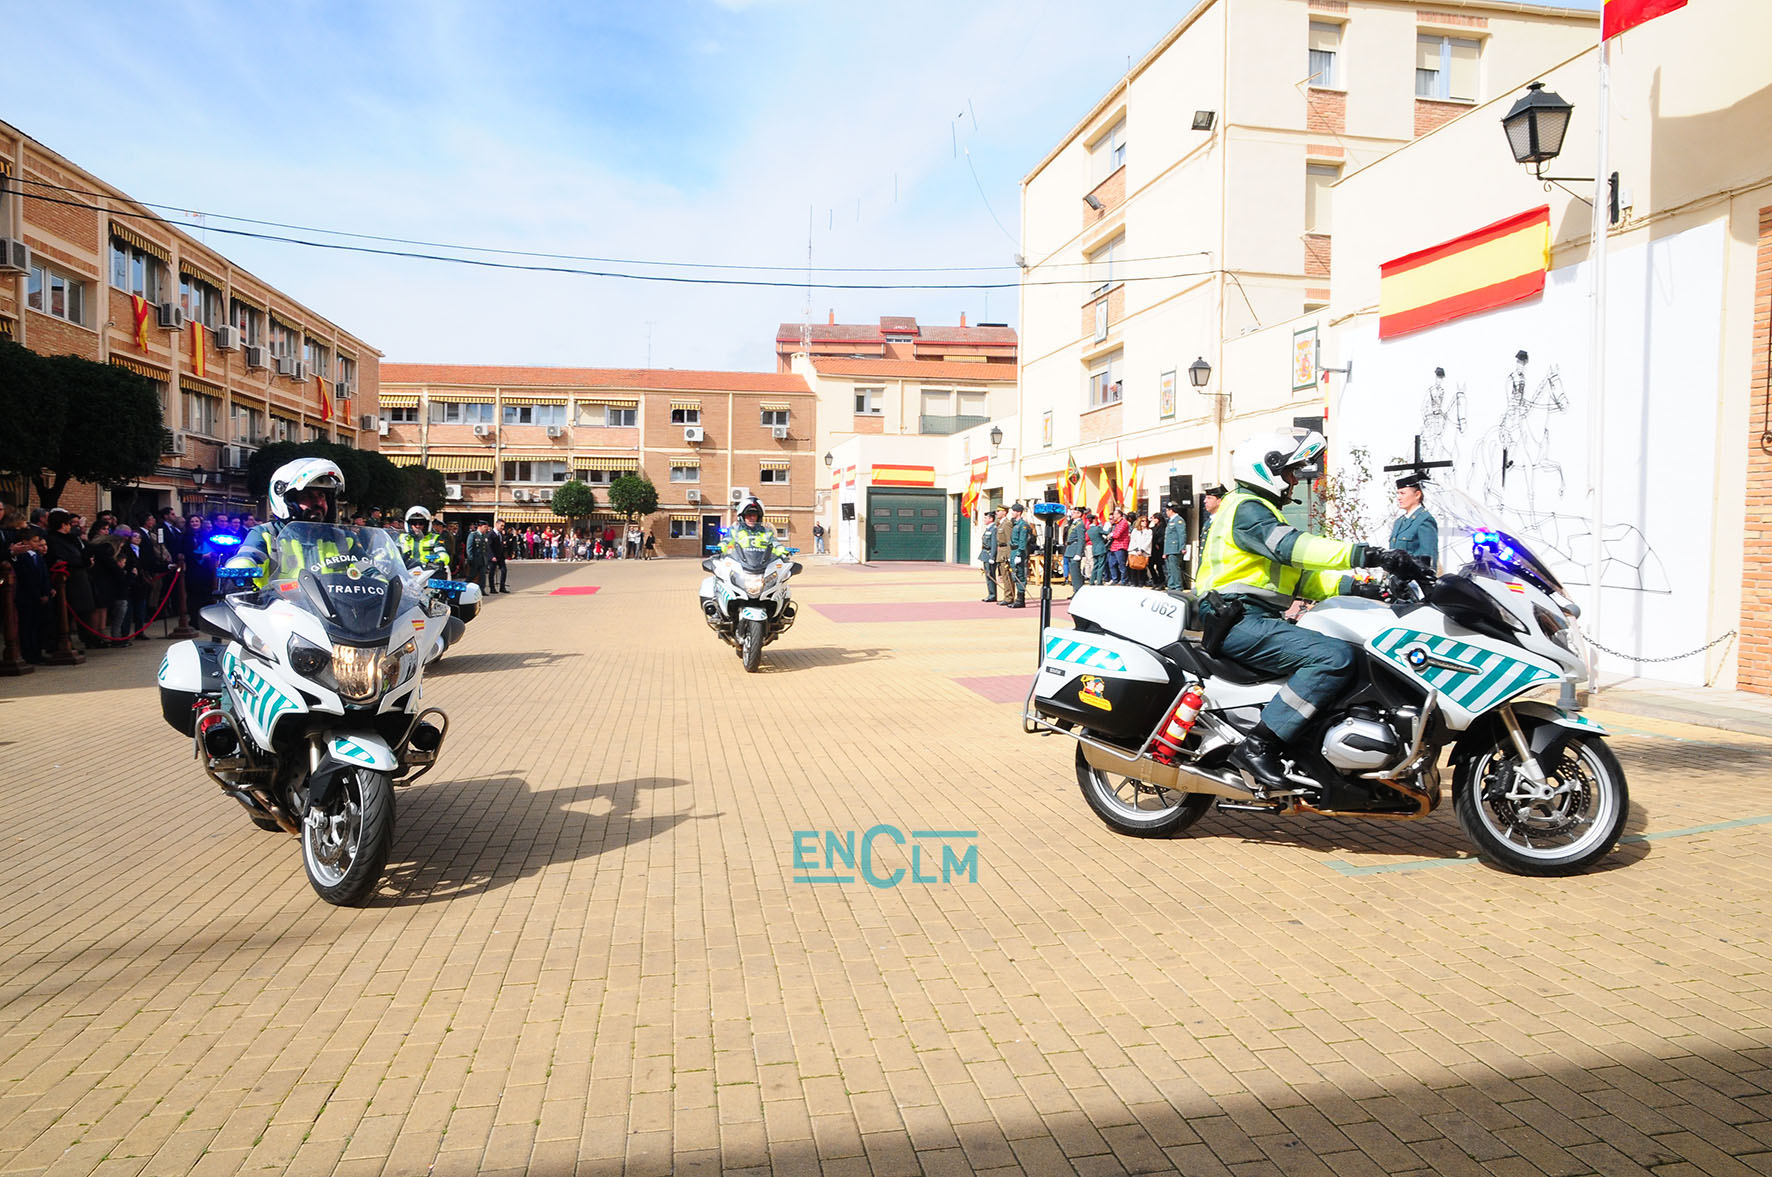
pixel 1105 683
pixel 189 669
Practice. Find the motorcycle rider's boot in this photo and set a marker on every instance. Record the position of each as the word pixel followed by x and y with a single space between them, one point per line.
pixel 1259 756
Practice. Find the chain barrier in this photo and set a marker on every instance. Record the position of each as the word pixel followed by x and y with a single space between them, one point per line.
pixel 164 601
pixel 1669 658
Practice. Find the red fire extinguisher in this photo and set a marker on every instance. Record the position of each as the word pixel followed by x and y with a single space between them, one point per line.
pixel 1175 728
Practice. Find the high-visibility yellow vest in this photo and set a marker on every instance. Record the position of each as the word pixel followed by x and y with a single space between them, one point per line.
pixel 425 549
pixel 1227 568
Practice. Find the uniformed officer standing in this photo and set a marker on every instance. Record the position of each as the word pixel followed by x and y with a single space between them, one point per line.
pixel 1098 551
pixel 1174 543
pixel 987 555
pixel 1005 574
pixel 1074 536
pixel 1210 498
pixel 1021 543
pixel 1416 532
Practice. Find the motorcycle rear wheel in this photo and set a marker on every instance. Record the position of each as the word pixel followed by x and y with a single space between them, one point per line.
pixel 345 852
pixel 1137 808
pixel 750 643
pixel 1560 835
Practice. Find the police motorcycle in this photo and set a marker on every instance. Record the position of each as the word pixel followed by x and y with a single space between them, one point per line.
pixel 303 703
pixel 424 553
pixel 744 598
pixel 1487 662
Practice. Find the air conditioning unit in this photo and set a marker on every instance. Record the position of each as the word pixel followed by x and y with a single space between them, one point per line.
pixel 366 421
pixel 341 391
pixel 779 432
pixel 555 431
pixel 227 338
pixel 740 494
pixel 693 433
pixel 300 370
pixel 484 431
pixel 170 316
pixel 172 442
pixel 692 495
pixel 286 365
pixel 452 490
pixel 520 495
pixel 381 426
pixel 233 457
pixel 258 357
pixel 15 256
pixel 544 495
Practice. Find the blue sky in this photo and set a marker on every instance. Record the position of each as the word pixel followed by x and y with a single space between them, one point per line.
pixel 700 130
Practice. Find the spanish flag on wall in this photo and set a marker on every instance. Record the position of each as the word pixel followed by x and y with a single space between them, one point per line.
pixel 139 307
pixel 892 475
pixel 199 361
pixel 325 400
pixel 969 502
pixel 1619 15
pixel 1496 265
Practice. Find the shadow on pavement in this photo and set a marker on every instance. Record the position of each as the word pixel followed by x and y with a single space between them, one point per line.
pixel 780 660
pixel 459 838
pixel 496 660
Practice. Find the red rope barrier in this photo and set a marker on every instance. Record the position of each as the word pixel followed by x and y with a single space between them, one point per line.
pixel 172 580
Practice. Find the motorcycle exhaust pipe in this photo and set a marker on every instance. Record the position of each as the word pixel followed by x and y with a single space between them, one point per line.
pixel 1181 777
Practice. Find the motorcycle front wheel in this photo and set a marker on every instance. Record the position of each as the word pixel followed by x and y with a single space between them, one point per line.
pixel 1559 832
pixel 1138 808
pixel 750 643
pixel 345 846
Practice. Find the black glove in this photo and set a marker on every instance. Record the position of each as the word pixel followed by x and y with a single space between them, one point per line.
pixel 1371 590
pixel 1367 556
pixel 1399 563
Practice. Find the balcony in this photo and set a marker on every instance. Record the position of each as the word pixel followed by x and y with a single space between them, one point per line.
pixel 940 424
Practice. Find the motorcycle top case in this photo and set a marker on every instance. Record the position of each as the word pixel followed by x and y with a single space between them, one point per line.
pixel 1150 618
pixel 188 670
pixel 1105 683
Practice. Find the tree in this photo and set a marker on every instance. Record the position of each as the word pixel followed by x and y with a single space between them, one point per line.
pixel 108 425
pixel 633 494
pixel 574 500
pixel 421 486
pixel 32 414
pixel 1343 510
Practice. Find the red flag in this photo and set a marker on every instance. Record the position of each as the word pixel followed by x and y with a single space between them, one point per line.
pixel 140 307
pixel 199 361
pixel 325 401
pixel 1620 15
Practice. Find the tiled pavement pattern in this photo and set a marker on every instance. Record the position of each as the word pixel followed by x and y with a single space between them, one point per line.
pixel 589 956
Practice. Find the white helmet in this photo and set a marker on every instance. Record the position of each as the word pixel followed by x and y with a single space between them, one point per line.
pixel 418 513
pixel 1260 461
pixel 306 474
pixel 752 501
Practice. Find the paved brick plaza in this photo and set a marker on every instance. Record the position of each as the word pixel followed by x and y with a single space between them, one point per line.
pixel 591 956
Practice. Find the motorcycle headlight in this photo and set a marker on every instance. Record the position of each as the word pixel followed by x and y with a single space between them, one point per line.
pixel 405 661
pixel 750 582
pixel 307 659
pixel 360 670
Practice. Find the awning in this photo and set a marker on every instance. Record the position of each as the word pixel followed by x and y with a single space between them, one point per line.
pixel 773 464
pixel 686 405
pixel 402 459
pixel 776 520
pixel 619 402
pixel 606 463
pixel 129 236
pixel 460 463
pixel 191 269
pixel 202 387
pixel 399 400
pixel 686 461
pixel 675 518
pixel 141 369
pixel 461 398
pixel 527 515
pixel 776 406
pixel 534 400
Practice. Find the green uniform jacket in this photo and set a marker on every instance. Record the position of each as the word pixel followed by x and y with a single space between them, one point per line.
pixel 1417 534
pixel 1265 562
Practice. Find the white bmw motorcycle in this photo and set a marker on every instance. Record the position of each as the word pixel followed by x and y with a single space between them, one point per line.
pixel 307 711
pixel 745 599
pixel 1487 661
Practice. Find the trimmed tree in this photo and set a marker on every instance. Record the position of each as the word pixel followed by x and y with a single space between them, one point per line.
pixel 106 421
pixel 33 413
pixel 421 486
pixel 633 494
pixel 573 501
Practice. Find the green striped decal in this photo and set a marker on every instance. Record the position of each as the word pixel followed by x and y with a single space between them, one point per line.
pixel 1476 679
pixel 261 700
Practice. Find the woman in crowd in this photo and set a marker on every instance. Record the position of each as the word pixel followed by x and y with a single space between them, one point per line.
pixel 1138 546
pixel 109 587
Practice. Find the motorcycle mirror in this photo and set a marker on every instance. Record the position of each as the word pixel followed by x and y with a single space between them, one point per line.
pixel 796 568
pixel 707 565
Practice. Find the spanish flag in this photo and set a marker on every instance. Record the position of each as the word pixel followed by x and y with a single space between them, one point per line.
pixel 325 401
pixel 1492 267
pixel 969 502
pixel 896 475
pixel 1104 498
pixel 1619 15
pixel 1129 488
pixel 199 362
pixel 140 307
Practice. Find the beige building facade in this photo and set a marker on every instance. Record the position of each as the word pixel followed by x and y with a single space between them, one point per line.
pixel 505 438
pixel 1508 395
pixel 1190 218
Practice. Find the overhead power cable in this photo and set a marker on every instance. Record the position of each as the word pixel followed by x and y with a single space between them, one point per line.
pixel 574 257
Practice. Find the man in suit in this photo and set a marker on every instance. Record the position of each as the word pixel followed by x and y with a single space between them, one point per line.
pixel 498 565
pixel 31 588
pixel 479 554
pixel 987 556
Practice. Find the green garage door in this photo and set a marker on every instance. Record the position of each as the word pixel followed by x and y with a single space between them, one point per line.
pixel 906 525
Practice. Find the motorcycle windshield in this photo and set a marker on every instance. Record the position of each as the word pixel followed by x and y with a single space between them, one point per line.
pixel 353 577
pixel 753 559
pixel 1466 524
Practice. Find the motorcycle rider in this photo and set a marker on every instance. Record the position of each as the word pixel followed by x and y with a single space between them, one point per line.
pixel 419 544
pixel 1258 563
pixel 306 490
pixel 751 532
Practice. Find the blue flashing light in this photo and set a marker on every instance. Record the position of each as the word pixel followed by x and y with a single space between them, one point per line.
pixel 1486 537
pixel 225 539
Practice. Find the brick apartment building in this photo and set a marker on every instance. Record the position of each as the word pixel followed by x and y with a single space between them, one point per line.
pixel 505 437
pixel 236 361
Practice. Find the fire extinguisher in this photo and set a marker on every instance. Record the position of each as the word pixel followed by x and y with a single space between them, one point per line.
pixel 1173 732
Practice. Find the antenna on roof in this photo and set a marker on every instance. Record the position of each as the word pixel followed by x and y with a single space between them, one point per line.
pixel 806 318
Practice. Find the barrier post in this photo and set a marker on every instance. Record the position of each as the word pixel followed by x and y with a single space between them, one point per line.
pixel 64 654
pixel 12 662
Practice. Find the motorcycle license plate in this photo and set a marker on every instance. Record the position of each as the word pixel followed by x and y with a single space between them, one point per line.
pixel 753 614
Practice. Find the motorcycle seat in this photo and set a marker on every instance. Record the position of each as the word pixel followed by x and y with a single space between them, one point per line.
pixel 1192 658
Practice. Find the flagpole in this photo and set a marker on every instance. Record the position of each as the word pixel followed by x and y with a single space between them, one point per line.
pixel 1596 430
